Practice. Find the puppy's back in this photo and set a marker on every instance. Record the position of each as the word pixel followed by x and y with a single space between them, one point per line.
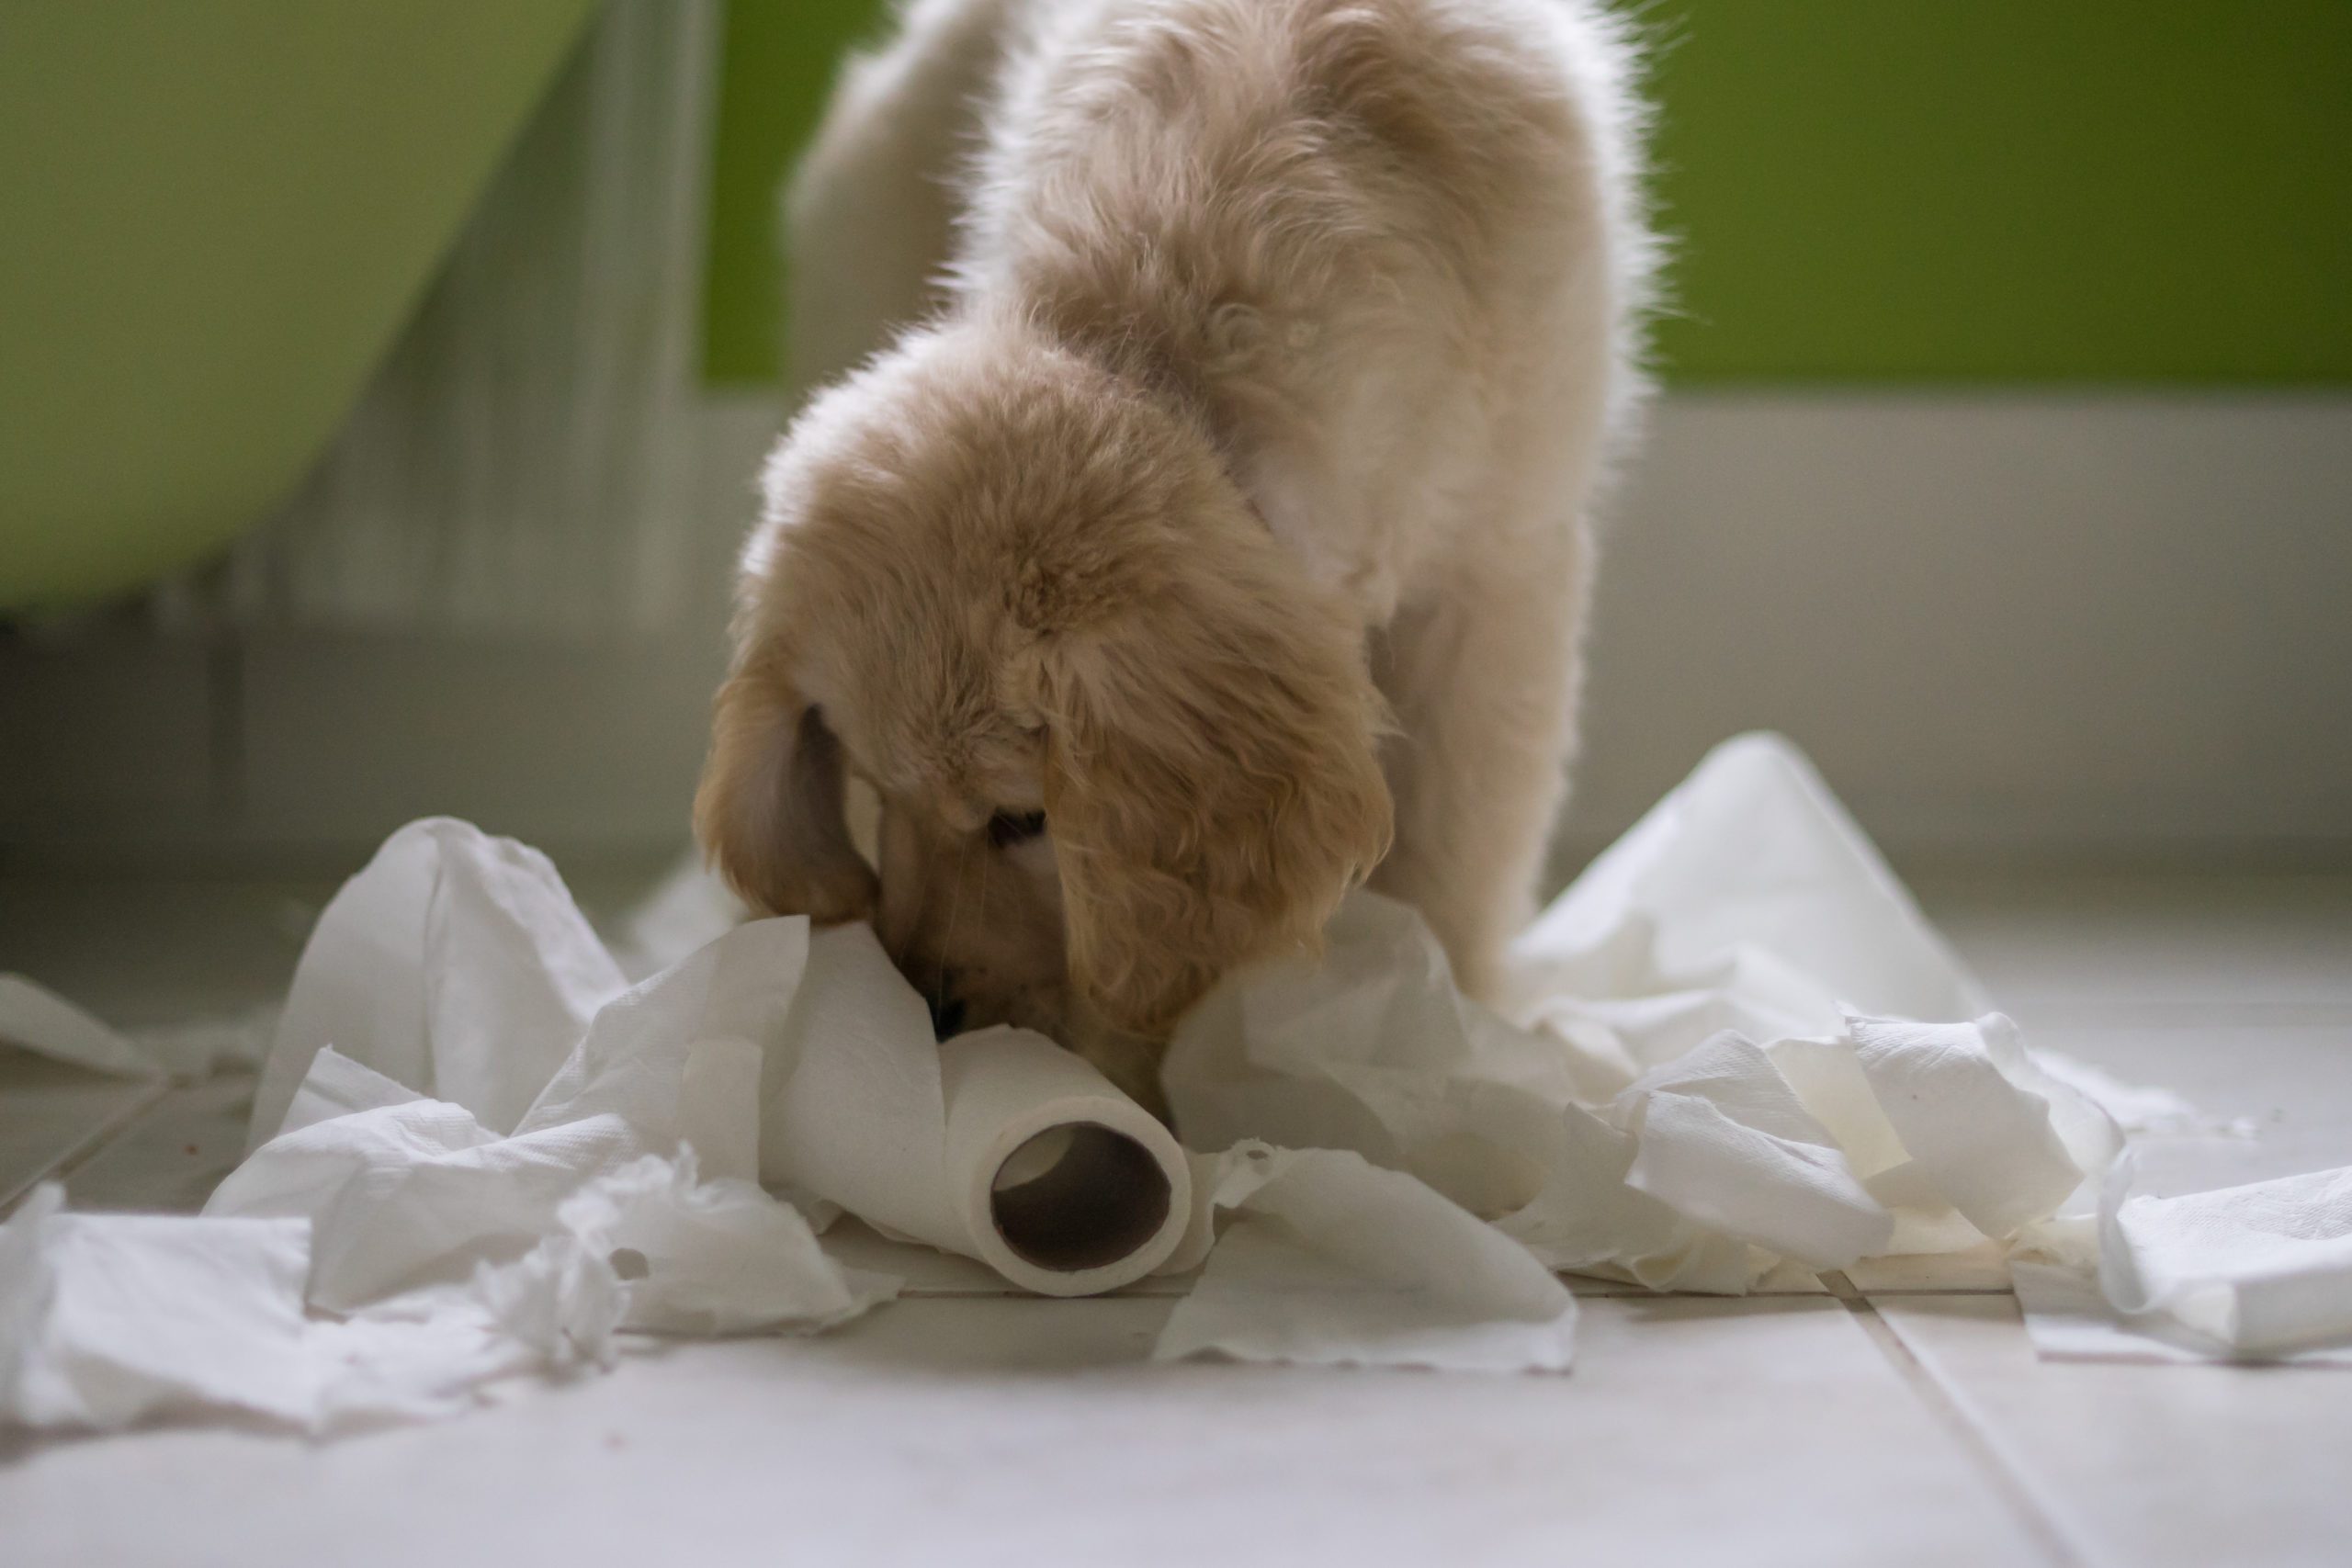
pixel 1151 164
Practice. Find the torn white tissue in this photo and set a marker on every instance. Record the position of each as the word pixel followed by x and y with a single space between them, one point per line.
pixel 2261 1270
pixel 406 1193
pixel 1954 1127
pixel 484 1161
pixel 46 1023
pixel 416 1194
pixel 704 1256
pixel 40 1021
pixel 1326 1259
pixel 107 1318
pixel 1700 1175
pixel 1721 1138
pixel 479 1151
pixel 480 960
pixel 1746 899
pixel 456 964
pixel 1369 1048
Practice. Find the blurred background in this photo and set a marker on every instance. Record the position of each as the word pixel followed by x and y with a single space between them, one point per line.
pixel 382 384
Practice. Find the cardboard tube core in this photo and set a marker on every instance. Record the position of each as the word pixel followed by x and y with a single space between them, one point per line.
pixel 1079 1196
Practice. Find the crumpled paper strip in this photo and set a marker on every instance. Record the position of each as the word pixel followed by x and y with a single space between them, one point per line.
pixel 456 964
pixel 417 1193
pixel 1325 1259
pixel 40 1021
pixel 698 1256
pixel 428 1018
pixel 1703 1063
pixel 1988 1134
pixel 37 1019
pixel 2258 1270
pixel 108 1319
pixel 1688 1082
pixel 1747 898
pixel 1722 1139
pixel 406 1193
pixel 1700 1175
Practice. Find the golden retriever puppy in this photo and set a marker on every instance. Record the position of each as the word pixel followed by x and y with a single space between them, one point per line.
pixel 1195 516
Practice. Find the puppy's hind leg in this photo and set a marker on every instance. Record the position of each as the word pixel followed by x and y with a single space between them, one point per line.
pixel 1482 676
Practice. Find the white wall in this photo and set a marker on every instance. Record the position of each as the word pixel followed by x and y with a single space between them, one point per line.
pixel 2100 627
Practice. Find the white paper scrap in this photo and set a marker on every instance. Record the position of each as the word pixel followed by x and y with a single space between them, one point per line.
pixel 104 1319
pixel 40 1021
pixel 1744 899
pixel 37 1019
pixel 454 962
pixel 1721 1138
pixel 478 1150
pixel 2261 1270
pixel 711 1257
pixel 1979 1138
pixel 480 1153
pixel 1326 1259
pixel 1702 1174
pixel 417 1193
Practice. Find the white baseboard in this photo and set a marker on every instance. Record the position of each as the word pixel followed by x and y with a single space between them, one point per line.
pixel 2007 626
pixel 2106 626
pixel 301 749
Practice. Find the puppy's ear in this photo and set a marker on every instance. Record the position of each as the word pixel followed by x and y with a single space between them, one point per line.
pixel 1210 780
pixel 769 811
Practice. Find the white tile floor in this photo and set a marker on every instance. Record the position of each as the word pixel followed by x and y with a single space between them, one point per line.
pixel 1896 1417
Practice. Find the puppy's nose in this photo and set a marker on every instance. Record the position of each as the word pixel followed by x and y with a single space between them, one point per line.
pixel 946 1015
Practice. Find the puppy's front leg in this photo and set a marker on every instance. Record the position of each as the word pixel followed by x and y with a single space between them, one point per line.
pixel 1482 675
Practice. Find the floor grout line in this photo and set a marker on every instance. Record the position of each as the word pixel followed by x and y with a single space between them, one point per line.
pixel 81 1152
pixel 2057 1546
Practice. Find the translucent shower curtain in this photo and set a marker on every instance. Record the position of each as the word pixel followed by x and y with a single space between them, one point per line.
pixel 520 463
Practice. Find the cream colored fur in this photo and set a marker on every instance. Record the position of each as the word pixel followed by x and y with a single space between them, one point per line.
pixel 1215 397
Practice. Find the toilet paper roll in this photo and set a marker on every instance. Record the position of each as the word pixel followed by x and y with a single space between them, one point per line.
pixel 1060 1183
pixel 999 1145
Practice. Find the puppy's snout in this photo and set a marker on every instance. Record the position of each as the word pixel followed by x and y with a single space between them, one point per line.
pixel 946 1012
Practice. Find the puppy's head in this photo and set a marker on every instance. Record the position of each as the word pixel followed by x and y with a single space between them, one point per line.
pixel 1119 741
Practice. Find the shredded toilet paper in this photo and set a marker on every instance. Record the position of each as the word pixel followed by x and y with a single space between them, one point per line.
pixel 486 1143
pixel 40 1021
pixel 2256 1270
pixel 478 1152
pixel 1733 1041
pixel 1702 1174
pixel 1328 1259
pixel 1746 899
pixel 442 1192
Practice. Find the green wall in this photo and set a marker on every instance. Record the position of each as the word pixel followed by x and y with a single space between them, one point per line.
pixel 214 217
pixel 1872 191
pixel 778 63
